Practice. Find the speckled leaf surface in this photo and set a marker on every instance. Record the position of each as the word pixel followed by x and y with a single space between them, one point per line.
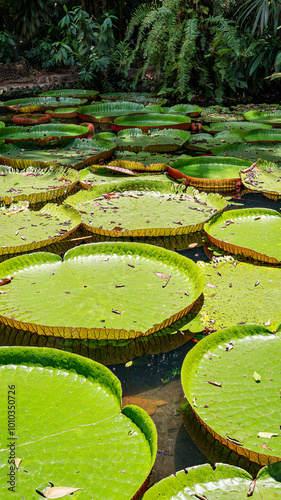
pixel 72 152
pixel 205 142
pixel 226 481
pixel 31 104
pixel 89 178
pixel 237 297
pixel 264 177
pixel 23 230
pixel 140 97
pixel 253 232
pixel 209 172
pixel 145 208
pixel 108 111
pixel 84 440
pixel 185 109
pixel 214 128
pixel 229 400
pixel 99 291
pixel 152 120
pixel 78 93
pixel 155 166
pixel 259 135
pixel 35 184
pixel 251 152
pixel 160 141
pixel 43 133
pixel 271 117
pixel 146 158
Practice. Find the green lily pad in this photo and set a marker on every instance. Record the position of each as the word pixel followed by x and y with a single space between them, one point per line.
pixel 259 135
pixel 2 124
pixel 78 93
pixel 209 172
pixel 102 176
pixel 251 152
pixel 206 142
pixel 144 208
pixel 37 104
pixel 43 133
pixel 74 304
pixel 24 230
pixel 62 112
pixel 149 121
pixel 146 158
pixel 69 152
pixel 138 166
pixel 214 128
pixel 218 378
pixel 35 185
pixel 217 483
pixel 86 441
pixel 185 109
pixel 108 111
pixel 264 178
pixel 252 232
pixel 220 114
pixel 160 141
pixel 238 292
pixel 140 97
pixel 271 117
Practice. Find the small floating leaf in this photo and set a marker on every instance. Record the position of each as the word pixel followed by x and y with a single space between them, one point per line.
pixel 267 435
pixel 268 323
pixel 256 377
pixel 251 488
pixel 59 491
pixel 217 384
pixel 265 447
pixel 128 364
pixel 211 285
pixel 17 462
pixel 5 281
pixel 161 275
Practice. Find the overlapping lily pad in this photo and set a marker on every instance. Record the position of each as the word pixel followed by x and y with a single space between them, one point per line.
pixel 203 142
pixel 95 446
pixel 74 303
pixel 185 109
pixel 219 482
pixel 271 117
pixel 214 128
pixel 238 292
pixel 70 152
pixel 145 208
pixel 24 230
pixel 78 93
pixel 90 177
pixel 43 133
pixel 62 112
pixel 31 119
pixel 148 121
pixel 251 152
pixel 209 172
pixel 263 177
pixel 139 97
pixel 260 135
pixel 36 184
pixel 232 381
pixel 38 104
pixel 253 232
pixel 160 141
pixel 108 111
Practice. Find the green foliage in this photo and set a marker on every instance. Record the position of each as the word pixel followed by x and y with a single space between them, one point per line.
pixel 259 14
pixel 8 51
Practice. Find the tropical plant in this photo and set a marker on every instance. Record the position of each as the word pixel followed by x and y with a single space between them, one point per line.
pixel 8 52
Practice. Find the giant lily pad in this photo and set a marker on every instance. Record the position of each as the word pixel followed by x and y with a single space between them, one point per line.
pixel 24 230
pixel 260 135
pixel 36 184
pixel 238 293
pixel 108 111
pixel 43 133
pixel 149 121
pixel 38 104
pixel 232 381
pixel 253 232
pixel 205 142
pixel 263 177
pixel 70 152
pixel 101 176
pixel 209 172
pixel 160 141
pixel 251 152
pixel 74 303
pixel 62 113
pixel 144 208
pixel 217 483
pixel 143 98
pixel 185 109
pixel 271 117
pixel 31 119
pixel 78 93
pixel 87 442
pixel 214 128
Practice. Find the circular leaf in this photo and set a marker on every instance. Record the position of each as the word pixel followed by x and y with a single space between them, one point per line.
pixel 152 120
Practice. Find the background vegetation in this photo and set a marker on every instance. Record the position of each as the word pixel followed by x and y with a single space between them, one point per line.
pixel 182 48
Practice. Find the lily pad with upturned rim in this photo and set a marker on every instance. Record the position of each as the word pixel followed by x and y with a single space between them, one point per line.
pixel 264 177
pixel 209 172
pixel 96 446
pixel 25 230
pixel 252 232
pixel 107 111
pixel 271 117
pixel 76 93
pixel 251 152
pixel 237 292
pixel 75 153
pixel 90 177
pixel 36 184
pixel 214 128
pixel 230 404
pixel 148 121
pixel 158 141
pixel 185 109
pixel 31 119
pixel 139 97
pixel 44 133
pixel 62 112
pixel 205 142
pixel 259 135
pixel 38 104
pixel 144 208
pixel 72 302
